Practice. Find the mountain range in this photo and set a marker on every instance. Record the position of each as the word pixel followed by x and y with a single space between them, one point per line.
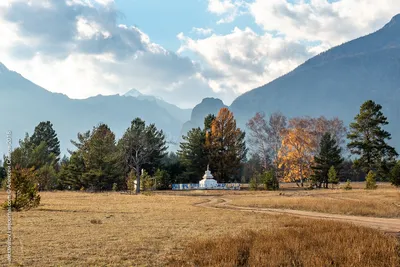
pixel 333 84
pixel 25 104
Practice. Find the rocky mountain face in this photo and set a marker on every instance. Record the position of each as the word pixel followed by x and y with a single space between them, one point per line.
pixel 25 104
pixel 336 83
pixel 200 111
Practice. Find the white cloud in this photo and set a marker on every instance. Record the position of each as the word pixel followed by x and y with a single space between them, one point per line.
pixel 319 20
pixel 202 31
pixel 78 49
pixel 243 60
pixel 229 9
pixel 220 7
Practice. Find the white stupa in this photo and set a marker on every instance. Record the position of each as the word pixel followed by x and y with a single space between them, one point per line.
pixel 208 180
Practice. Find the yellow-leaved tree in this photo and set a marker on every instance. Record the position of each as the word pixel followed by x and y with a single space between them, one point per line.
pixel 300 143
pixel 297 151
pixel 226 145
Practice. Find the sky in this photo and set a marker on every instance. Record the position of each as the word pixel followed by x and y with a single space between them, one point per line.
pixel 179 50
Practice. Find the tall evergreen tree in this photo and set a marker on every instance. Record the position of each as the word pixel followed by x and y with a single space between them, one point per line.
pixel 71 172
pixel 94 164
pixel 227 145
pixel 395 175
pixel 141 145
pixel 329 156
pixel 193 155
pixel 174 167
pixel 101 159
pixel 44 132
pixel 368 140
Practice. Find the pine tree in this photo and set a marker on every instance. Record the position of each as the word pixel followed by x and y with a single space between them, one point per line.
pixel 24 189
pixel 94 165
pixel 227 145
pixel 101 159
pixel 193 154
pixel 368 140
pixel 371 181
pixel 44 132
pixel 163 179
pixel 332 176
pixel 395 175
pixel 141 145
pixel 329 156
pixel 268 178
pixel 347 186
pixel 71 172
pixel 174 167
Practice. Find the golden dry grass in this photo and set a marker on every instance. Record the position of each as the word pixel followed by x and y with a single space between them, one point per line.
pixel 112 229
pixel 383 202
pixel 299 243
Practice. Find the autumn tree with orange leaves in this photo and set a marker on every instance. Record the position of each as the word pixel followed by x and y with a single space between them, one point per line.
pixel 297 150
pixel 226 145
pixel 300 144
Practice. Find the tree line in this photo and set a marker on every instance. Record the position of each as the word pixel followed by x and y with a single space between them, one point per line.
pixel 279 149
pixel 313 149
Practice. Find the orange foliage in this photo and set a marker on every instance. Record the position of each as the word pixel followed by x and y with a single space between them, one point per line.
pixel 297 151
pixel 226 145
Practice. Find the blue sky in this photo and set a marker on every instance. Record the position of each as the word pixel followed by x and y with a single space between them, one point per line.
pixel 163 20
pixel 81 48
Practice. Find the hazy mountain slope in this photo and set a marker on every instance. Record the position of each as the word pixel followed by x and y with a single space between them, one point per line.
pixel 200 111
pixel 181 114
pixel 25 104
pixel 337 82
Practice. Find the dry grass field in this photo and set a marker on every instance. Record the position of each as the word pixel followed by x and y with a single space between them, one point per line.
pixel 167 229
pixel 383 202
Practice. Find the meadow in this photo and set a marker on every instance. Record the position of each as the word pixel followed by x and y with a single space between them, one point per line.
pixel 174 229
pixel 382 202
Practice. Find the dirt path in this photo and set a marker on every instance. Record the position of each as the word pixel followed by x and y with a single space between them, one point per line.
pixel 387 225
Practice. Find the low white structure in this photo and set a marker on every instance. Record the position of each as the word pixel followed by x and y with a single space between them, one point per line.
pixel 208 180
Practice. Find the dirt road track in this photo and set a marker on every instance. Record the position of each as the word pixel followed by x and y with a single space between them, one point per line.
pixel 388 225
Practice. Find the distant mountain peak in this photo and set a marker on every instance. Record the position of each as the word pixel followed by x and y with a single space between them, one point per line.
pixel 3 69
pixel 133 93
pixel 394 22
pixel 136 93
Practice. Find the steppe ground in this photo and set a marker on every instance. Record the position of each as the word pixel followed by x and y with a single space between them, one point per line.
pixel 169 229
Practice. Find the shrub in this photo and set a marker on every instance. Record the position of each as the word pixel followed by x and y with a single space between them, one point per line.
pixel 347 186
pixel 115 187
pixel 95 221
pixel 395 175
pixel 130 182
pixel 162 179
pixel 332 176
pixel 253 185
pixel 371 181
pixel 147 193
pixel 46 177
pixel 145 181
pixel 269 180
pixel 25 190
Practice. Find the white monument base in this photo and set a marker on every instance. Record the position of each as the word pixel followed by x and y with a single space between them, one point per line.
pixel 208 180
pixel 208 183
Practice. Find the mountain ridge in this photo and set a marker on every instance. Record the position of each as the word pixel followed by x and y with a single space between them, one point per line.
pixel 28 104
pixel 336 82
